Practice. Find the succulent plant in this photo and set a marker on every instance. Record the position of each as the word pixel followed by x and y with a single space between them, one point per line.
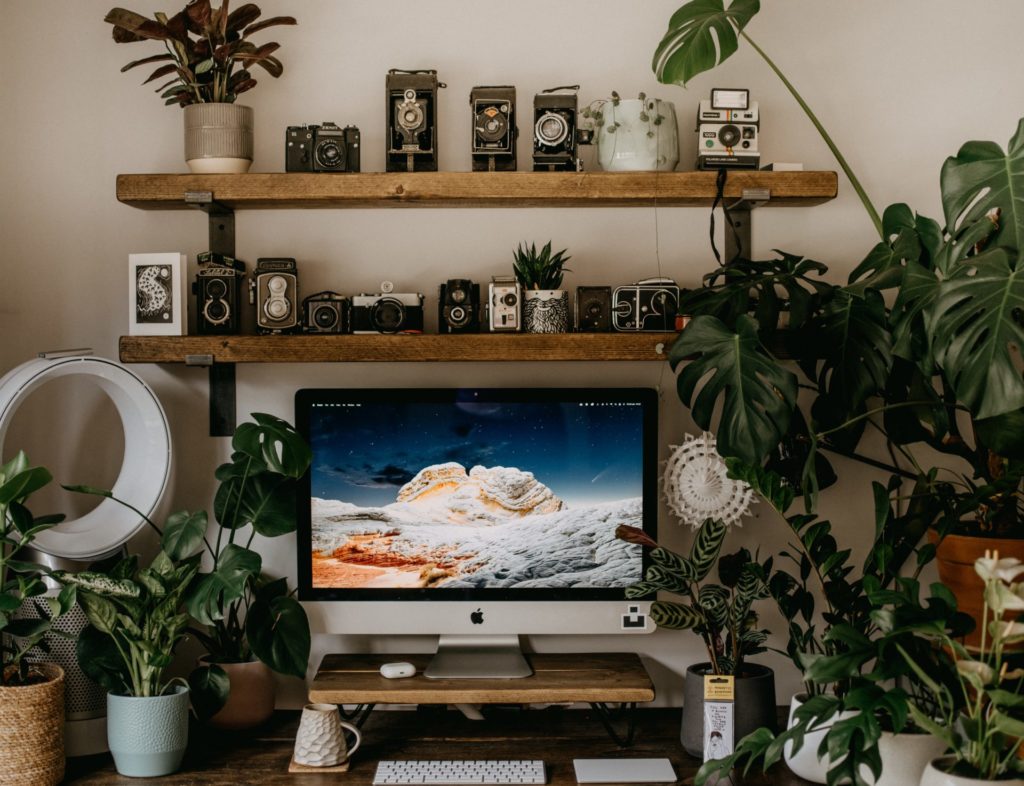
pixel 540 270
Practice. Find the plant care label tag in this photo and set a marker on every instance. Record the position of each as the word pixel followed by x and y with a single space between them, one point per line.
pixel 719 723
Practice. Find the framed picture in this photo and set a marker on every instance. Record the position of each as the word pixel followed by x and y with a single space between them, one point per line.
pixel 156 295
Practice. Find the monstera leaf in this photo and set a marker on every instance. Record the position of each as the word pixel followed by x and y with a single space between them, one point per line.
pixel 700 35
pixel 758 396
pixel 882 268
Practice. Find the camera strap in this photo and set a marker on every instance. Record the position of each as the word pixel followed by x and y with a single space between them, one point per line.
pixel 720 198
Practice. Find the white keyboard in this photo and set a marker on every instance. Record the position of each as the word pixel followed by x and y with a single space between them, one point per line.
pixel 400 773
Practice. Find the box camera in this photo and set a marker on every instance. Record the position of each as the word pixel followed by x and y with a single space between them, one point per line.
pixel 325 312
pixel 555 135
pixel 322 148
pixel 458 306
pixel 274 290
pixel 218 291
pixel 504 297
pixel 387 312
pixel 412 120
pixel 594 309
pixel 649 305
pixel 494 129
pixel 727 128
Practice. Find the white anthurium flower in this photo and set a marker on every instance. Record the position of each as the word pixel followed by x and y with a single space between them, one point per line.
pixel 1005 569
pixel 1001 598
pixel 1008 630
pixel 976 668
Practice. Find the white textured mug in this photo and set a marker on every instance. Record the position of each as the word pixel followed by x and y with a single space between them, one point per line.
pixel 320 740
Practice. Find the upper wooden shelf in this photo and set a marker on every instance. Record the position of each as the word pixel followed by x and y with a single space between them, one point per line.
pixel 471 189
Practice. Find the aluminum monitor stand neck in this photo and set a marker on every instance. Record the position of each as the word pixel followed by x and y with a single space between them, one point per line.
pixel 478 657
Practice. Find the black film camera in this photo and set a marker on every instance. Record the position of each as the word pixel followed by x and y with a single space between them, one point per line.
pixel 555 134
pixel 325 312
pixel 412 120
pixel 218 291
pixel 322 148
pixel 274 290
pixel 648 305
pixel 594 309
pixel 494 128
pixel 458 306
pixel 387 312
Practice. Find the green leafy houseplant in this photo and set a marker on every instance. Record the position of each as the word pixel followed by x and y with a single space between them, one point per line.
pixel 209 54
pixel 539 270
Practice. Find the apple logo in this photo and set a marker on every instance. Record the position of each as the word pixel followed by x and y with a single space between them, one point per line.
pixel 477 617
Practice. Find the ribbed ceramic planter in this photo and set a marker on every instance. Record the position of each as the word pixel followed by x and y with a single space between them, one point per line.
pixel 936 775
pixel 638 145
pixel 546 311
pixel 754 707
pixel 218 138
pixel 32 731
pixel 148 735
pixel 251 700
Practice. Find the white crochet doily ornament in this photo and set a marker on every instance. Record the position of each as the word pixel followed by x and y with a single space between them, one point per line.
pixel 697 486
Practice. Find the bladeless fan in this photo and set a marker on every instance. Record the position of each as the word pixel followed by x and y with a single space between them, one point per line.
pixel 697 486
pixel 104 530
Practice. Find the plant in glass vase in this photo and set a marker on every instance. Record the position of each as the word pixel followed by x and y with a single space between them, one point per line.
pixel 545 306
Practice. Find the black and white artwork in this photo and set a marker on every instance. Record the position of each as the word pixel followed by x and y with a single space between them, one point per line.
pixel 156 302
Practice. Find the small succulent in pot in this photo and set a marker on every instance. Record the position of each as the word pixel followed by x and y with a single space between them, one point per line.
pixel 540 270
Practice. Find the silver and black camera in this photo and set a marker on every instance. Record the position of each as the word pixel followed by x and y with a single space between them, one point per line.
pixel 649 305
pixel 727 127
pixel 274 290
pixel 458 306
pixel 555 134
pixel 594 309
pixel 218 291
pixel 412 120
pixel 387 312
pixel 325 312
pixel 494 128
pixel 323 148
pixel 504 304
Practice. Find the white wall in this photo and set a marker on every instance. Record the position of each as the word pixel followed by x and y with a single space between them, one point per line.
pixel 901 84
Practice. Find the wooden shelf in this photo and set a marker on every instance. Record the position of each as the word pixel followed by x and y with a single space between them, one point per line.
pixel 471 189
pixel 470 347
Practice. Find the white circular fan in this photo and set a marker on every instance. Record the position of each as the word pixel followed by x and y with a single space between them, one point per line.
pixel 697 486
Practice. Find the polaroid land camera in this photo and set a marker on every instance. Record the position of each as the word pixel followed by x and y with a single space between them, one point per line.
pixel 412 120
pixel 727 127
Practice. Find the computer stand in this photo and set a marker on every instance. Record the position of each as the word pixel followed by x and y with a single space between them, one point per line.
pixel 478 657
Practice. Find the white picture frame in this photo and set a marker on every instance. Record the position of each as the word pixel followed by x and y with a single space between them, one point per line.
pixel 156 295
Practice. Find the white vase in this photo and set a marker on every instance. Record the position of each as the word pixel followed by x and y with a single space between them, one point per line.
pixel 637 145
pixel 935 775
pixel 805 762
pixel 905 757
pixel 546 311
pixel 320 740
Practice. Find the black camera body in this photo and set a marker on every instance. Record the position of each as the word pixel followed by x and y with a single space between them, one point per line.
pixel 594 309
pixel 218 292
pixel 555 133
pixel 650 305
pixel 325 312
pixel 494 128
pixel 387 312
pixel 323 148
pixel 458 306
pixel 411 120
pixel 274 290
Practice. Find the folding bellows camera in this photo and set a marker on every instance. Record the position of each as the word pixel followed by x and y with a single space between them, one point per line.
pixel 411 120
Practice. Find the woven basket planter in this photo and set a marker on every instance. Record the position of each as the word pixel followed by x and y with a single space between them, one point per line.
pixel 32 731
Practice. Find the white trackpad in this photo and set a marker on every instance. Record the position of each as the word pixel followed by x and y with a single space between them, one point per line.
pixel 624 771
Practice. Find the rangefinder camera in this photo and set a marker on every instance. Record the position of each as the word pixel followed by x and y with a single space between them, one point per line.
pixel 387 312
pixel 727 127
pixel 322 148
pixel 648 305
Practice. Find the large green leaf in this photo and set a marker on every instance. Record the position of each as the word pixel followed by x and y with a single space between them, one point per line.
pixel 706 547
pixel 274 442
pixel 278 631
pixel 700 35
pixel 215 591
pixel 882 268
pixel 209 687
pixel 183 533
pixel 978 328
pixel 757 394
pixel 675 616
pixel 23 484
pixel 267 503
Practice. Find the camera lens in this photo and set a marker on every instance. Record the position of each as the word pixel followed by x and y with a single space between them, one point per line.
pixel 509 299
pixel 729 135
pixel 216 312
pixel 410 114
pixel 458 316
pixel 387 315
pixel 330 155
pixel 594 309
pixel 458 296
pixel 325 317
pixel 551 129
pixel 216 288
pixel 491 125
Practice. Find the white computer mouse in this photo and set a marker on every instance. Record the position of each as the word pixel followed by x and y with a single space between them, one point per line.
pixel 394 671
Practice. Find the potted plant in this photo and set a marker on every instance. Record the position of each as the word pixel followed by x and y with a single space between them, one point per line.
pixel 545 306
pixel 721 614
pixel 31 693
pixel 208 58
pixel 635 134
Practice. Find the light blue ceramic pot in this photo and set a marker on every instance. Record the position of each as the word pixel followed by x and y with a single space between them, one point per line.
pixel 148 735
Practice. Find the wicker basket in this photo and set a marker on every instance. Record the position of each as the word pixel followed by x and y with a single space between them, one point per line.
pixel 32 731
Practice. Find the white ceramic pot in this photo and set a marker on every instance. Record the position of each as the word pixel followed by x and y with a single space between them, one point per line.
pixel 637 145
pixel 905 757
pixel 218 138
pixel 805 762
pixel 546 311
pixel 935 775
pixel 320 740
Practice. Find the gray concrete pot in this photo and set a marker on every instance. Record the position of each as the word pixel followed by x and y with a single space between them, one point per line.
pixel 148 735
pixel 218 138
pixel 755 704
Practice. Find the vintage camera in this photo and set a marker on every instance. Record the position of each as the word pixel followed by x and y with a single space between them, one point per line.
pixel 727 131
pixel 412 120
pixel 650 305
pixel 387 312
pixel 594 309
pixel 218 291
pixel 555 134
pixel 494 128
pixel 274 290
pixel 322 148
pixel 504 298
pixel 458 306
pixel 325 312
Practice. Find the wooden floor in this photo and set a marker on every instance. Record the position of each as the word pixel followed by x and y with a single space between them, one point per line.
pixel 555 735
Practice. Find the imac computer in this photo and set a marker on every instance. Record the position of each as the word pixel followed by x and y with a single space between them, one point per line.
pixel 475 514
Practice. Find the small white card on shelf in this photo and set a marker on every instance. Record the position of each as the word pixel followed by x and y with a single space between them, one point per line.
pixel 156 295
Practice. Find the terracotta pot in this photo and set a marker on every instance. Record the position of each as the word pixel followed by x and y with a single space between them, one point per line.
pixel 251 701
pixel 936 775
pixel 754 707
pixel 955 556
pixel 32 731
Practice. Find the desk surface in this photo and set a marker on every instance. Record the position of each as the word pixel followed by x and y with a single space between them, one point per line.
pixel 260 758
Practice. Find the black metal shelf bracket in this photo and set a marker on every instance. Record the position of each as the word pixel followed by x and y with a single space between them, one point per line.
pixel 738 239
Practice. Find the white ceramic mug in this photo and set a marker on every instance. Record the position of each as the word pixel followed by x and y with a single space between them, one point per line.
pixel 320 740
